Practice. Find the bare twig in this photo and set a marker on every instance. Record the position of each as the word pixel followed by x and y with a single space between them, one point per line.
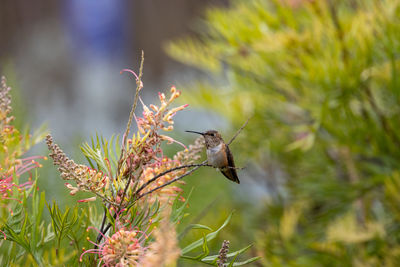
pixel 105 198
pixel 125 190
pixel 168 171
pixel 100 236
pixel 139 86
pixel 238 131
pixel 204 163
pixel 103 222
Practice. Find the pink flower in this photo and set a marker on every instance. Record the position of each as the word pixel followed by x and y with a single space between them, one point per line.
pixel 7 176
pixel 124 248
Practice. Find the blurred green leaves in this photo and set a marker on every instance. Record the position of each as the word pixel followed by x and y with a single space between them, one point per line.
pixel 212 259
pixel 321 80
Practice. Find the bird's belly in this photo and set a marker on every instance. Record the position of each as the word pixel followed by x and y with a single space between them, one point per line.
pixel 217 157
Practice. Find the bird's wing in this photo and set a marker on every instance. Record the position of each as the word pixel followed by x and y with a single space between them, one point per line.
pixel 230 173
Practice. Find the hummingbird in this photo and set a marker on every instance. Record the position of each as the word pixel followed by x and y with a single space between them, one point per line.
pixel 219 155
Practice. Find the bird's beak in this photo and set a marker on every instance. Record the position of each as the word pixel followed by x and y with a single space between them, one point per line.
pixel 194 132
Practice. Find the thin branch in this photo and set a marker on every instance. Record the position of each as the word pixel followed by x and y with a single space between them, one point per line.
pixel 105 199
pixel 172 181
pixel 168 171
pixel 126 188
pixel 238 131
pixel 139 86
pixel 203 164
pixel 103 222
pixel 99 237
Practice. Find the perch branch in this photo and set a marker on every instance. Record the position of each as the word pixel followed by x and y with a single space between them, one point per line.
pixel 238 131
pixel 204 163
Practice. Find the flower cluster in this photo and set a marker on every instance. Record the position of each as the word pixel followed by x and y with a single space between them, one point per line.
pixel 5 104
pixel 12 146
pixel 165 193
pixel 223 252
pixel 146 149
pixel 86 179
pixel 184 157
pixel 191 154
pixel 123 248
pixel 6 176
pixel 157 118
pixel 9 136
pixel 131 247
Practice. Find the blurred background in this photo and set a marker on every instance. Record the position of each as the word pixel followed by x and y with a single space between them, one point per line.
pixel 319 80
pixel 66 57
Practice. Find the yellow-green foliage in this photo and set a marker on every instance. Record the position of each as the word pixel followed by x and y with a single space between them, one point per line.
pixel 322 81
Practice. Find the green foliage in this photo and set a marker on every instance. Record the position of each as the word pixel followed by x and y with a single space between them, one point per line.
pixel 206 239
pixel 20 224
pixel 321 82
pixel 71 227
pixel 204 257
pixel 31 240
pixel 178 209
pixel 104 153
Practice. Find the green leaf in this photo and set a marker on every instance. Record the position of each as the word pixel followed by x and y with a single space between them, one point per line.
pixel 241 263
pixel 209 237
pixel 200 226
pixel 212 258
pixel 102 151
pixel 205 252
pixel 233 260
pixel 177 213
